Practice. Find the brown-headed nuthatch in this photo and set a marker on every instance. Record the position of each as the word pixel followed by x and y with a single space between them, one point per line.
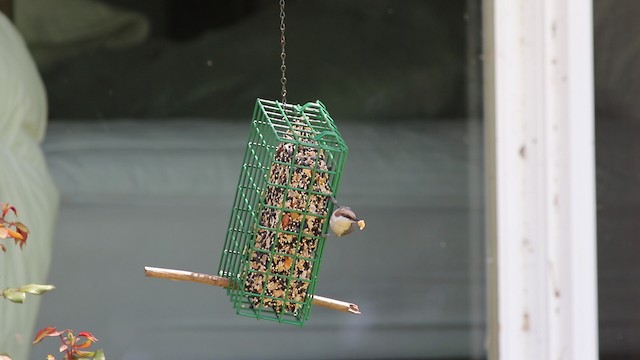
pixel 343 220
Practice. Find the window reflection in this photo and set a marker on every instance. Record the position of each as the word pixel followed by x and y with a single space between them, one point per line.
pixel 617 81
pixel 148 123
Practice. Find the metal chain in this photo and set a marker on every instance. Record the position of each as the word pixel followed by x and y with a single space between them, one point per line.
pixel 283 54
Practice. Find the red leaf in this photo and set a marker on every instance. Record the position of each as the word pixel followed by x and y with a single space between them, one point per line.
pixel 6 207
pixel 88 335
pixel 19 242
pixel 47 331
pixel 24 235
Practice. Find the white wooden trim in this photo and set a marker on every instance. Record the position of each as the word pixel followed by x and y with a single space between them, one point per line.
pixel 541 179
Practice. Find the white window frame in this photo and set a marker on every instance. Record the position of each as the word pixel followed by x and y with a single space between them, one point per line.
pixel 540 151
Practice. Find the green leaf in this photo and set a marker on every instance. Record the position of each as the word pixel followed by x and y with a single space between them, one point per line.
pixel 99 355
pixel 17 295
pixel 84 355
pixel 36 289
pixel 14 295
pixel 21 227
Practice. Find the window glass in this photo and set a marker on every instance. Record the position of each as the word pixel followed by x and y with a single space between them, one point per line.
pixel 617 82
pixel 150 105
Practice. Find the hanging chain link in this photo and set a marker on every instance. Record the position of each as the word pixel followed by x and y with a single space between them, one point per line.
pixel 283 54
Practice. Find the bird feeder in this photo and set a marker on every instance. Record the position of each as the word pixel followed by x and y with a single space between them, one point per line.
pixel 273 248
pixel 281 213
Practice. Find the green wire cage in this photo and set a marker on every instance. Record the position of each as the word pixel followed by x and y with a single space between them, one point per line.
pixel 273 248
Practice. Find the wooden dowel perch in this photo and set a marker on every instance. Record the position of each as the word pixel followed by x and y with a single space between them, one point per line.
pixel 181 275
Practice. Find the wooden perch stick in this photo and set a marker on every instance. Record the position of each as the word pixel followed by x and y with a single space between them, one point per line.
pixel 181 275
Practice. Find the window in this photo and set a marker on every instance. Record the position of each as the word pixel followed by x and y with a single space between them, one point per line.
pixel 146 141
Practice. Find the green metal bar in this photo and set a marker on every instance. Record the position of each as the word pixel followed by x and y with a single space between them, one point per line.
pixel 273 123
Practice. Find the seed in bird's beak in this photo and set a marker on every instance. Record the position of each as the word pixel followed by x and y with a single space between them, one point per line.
pixel 361 224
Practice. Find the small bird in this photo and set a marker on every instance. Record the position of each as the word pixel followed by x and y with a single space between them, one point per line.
pixel 343 220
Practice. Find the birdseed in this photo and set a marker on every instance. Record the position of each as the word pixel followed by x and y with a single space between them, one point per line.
pixel 295 208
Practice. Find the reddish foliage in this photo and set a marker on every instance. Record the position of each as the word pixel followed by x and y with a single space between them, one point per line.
pixel 71 345
pixel 12 229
